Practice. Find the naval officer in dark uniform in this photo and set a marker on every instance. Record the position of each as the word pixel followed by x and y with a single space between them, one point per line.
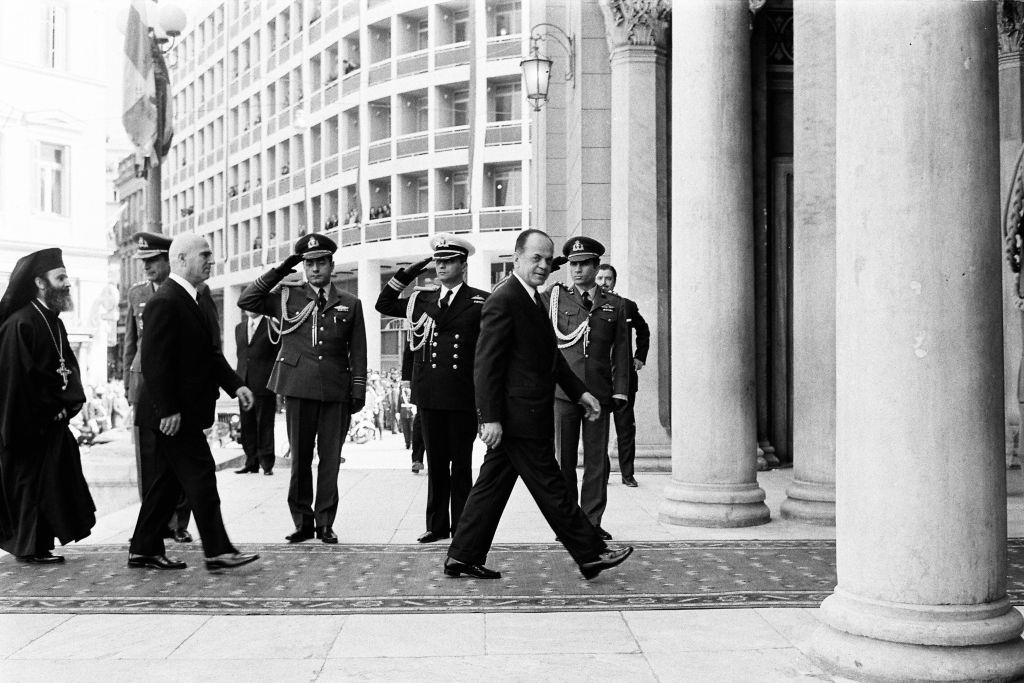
pixel 593 336
pixel 321 372
pixel 445 326
pixel 625 419
pixel 151 249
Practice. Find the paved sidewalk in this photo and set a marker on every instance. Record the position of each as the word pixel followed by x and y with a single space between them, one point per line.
pixel 382 502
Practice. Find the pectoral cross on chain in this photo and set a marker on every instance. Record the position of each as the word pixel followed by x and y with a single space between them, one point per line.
pixel 64 374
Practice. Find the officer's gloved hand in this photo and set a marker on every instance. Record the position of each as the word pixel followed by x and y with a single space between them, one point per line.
pixel 289 264
pixel 407 275
pixel 356 404
pixel 558 262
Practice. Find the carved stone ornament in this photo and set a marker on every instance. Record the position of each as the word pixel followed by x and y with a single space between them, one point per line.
pixel 636 22
pixel 1011 25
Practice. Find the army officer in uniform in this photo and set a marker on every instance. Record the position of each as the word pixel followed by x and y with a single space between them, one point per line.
pixel 321 372
pixel 445 326
pixel 151 249
pixel 593 336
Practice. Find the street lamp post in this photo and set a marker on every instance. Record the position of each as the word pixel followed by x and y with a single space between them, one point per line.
pixel 537 69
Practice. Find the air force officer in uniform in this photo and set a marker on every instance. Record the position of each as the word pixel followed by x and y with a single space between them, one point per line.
pixel 321 372
pixel 445 325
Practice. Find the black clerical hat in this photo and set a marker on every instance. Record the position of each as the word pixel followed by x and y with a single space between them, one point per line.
pixel 21 287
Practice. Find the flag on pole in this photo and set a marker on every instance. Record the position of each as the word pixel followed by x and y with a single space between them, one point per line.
pixel 140 113
pixel 147 111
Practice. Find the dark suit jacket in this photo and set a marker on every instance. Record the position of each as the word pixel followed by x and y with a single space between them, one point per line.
pixel 182 363
pixel 333 370
pixel 255 358
pixel 518 364
pixel 442 371
pixel 639 326
pixel 605 363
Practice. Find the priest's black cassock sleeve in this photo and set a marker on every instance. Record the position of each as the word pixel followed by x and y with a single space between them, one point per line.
pixel 43 493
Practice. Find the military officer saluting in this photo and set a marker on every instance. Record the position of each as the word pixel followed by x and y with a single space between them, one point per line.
pixel 151 249
pixel 321 372
pixel 445 324
pixel 593 336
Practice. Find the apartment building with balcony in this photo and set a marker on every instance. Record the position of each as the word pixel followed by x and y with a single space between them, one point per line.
pixel 378 123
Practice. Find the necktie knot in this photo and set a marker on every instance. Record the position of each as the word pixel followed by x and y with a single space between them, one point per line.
pixel 321 301
pixel 446 299
pixel 586 300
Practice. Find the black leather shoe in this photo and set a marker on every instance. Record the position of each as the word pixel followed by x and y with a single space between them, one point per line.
pixel 417 467
pixel 605 536
pixel 431 537
pixel 606 560
pixel 268 473
pixel 154 562
pixel 326 534
pixel 248 470
pixel 230 560
pixel 41 558
pixel 456 569
pixel 182 536
pixel 630 482
pixel 301 533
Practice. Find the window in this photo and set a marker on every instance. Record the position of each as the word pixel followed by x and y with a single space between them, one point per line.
pixel 55 37
pixel 506 99
pixel 421 35
pixel 460 108
pixel 452 192
pixel 460 27
pixel 52 179
pixel 422 203
pixel 506 19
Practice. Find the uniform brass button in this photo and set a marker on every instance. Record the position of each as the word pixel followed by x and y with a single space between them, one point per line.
pixel 434 354
pixel 455 355
pixel 455 346
pixel 320 343
pixel 321 328
pixel 434 343
pixel 319 357
pixel 433 365
pixel 455 367
pixel 456 336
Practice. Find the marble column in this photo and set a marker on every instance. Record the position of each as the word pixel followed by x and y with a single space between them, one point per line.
pixel 920 476
pixel 812 495
pixel 368 285
pixel 639 203
pixel 1011 135
pixel 714 437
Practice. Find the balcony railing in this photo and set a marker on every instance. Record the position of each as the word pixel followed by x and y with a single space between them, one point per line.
pixel 350 159
pixel 351 234
pixel 451 138
pixel 414 63
pixel 331 166
pixel 503 133
pixel 331 93
pixel 504 46
pixel 451 55
pixel 411 144
pixel 380 151
pixel 350 82
pixel 412 225
pixel 380 72
pixel 501 218
pixel 456 220
pixel 378 230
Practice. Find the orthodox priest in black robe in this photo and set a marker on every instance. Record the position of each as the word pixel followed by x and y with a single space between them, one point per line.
pixel 43 494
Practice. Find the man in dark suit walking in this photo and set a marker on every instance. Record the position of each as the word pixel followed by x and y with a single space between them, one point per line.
pixel 625 420
pixel 517 364
pixel 255 355
pixel 590 325
pixel 445 326
pixel 151 249
pixel 321 372
pixel 182 367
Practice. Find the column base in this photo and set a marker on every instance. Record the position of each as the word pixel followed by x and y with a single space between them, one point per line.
pixel 867 659
pixel 810 503
pixel 713 505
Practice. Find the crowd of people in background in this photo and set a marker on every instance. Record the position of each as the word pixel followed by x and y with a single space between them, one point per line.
pixel 381 211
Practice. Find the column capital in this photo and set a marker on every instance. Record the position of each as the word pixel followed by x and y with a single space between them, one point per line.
pixel 636 22
pixel 1011 26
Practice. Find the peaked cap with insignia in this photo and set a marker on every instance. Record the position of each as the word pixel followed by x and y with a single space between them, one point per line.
pixel 150 244
pixel 582 248
pixel 446 245
pixel 314 246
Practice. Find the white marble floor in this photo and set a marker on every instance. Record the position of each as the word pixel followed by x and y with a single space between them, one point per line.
pixel 383 502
